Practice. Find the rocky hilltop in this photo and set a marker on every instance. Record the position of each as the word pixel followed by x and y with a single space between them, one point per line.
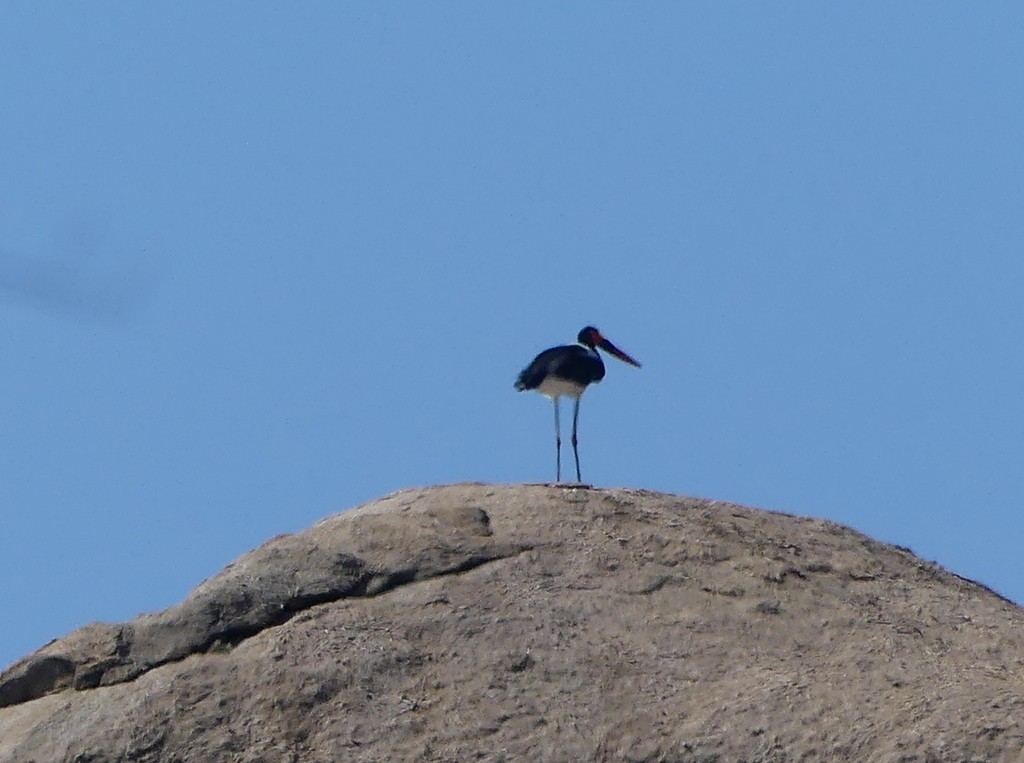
pixel 539 623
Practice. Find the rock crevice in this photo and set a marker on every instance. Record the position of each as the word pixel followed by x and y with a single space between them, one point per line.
pixel 289 574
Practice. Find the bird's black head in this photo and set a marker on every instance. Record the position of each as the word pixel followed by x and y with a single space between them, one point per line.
pixel 589 337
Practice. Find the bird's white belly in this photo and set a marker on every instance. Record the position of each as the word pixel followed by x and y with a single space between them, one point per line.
pixel 554 387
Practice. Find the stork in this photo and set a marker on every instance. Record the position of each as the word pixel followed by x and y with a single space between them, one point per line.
pixel 567 370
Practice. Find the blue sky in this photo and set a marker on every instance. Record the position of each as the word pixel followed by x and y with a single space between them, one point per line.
pixel 262 262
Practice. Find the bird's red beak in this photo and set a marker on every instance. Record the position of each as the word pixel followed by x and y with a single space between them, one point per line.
pixel 608 347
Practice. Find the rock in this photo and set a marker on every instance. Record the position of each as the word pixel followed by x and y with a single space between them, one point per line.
pixel 541 623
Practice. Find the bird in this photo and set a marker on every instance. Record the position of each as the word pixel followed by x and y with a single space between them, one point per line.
pixel 567 370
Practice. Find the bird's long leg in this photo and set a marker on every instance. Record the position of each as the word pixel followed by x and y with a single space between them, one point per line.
pixel 558 445
pixel 575 452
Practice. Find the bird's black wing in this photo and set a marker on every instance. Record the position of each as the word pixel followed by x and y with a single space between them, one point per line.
pixel 538 370
pixel 571 362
